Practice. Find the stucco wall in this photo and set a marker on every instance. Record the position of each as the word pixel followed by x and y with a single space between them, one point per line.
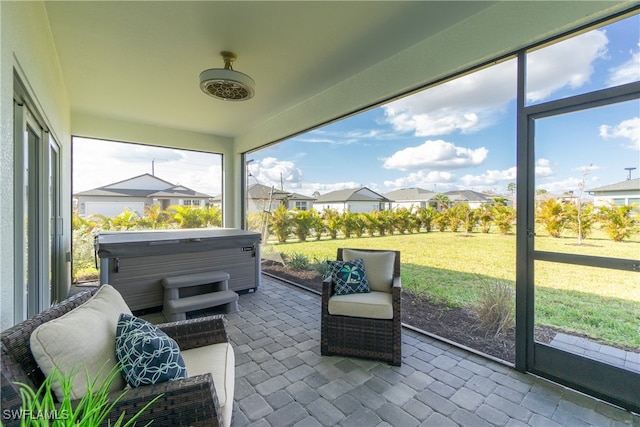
pixel 27 49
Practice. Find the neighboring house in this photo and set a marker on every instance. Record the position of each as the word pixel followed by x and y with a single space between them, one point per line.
pixel 566 198
pixel 136 193
pixel 411 198
pixel 262 198
pixel 473 198
pixel 621 193
pixel 354 200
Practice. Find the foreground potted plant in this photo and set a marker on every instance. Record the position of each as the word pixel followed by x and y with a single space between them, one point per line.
pixel 40 409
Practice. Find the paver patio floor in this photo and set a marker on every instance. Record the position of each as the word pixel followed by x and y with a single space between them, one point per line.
pixel 282 380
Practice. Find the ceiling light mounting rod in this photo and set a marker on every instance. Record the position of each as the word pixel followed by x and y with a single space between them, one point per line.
pixel 228 57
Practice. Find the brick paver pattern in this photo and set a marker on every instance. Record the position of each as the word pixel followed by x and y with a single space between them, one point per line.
pixel 282 380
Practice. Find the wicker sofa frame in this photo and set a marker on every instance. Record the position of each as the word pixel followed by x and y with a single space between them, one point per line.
pixel 188 402
pixel 378 339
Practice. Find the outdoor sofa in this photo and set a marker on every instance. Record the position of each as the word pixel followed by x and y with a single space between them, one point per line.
pixel 203 398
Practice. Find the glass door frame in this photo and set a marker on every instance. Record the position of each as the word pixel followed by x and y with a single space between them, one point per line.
pixel 610 383
pixel 37 209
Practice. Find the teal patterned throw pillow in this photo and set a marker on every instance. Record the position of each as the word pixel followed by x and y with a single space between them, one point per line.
pixel 348 277
pixel 146 354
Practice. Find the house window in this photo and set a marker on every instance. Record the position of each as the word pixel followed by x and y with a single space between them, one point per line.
pixel 186 202
pixel 301 206
pixel 619 202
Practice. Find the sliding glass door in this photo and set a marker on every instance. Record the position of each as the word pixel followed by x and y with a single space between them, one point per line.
pixel 37 210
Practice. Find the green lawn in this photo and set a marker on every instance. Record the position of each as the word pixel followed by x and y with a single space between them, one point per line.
pixel 453 267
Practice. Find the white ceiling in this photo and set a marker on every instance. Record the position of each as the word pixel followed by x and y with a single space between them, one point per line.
pixel 140 61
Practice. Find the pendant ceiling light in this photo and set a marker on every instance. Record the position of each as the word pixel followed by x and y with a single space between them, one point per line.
pixel 226 83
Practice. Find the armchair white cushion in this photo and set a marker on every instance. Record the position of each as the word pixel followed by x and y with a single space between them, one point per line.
pixel 219 360
pixel 372 305
pixel 377 265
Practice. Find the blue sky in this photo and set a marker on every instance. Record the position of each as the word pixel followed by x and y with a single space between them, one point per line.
pixel 461 135
pixel 458 135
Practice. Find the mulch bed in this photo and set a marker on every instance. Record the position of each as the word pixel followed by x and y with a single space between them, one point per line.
pixel 456 324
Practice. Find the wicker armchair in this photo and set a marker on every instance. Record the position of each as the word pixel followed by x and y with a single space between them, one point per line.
pixel 370 338
pixel 188 402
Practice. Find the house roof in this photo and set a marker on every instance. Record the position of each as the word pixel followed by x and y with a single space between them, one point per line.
pixel 259 191
pixel 312 61
pixel 627 185
pixel 362 194
pixel 145 185
pixel 467 196
pixel 410 194
pixel 179 191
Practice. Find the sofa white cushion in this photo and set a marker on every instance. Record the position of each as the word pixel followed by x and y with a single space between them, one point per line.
pixel 372 305
pixel 219 360
pixel 82 342
pixel 377 265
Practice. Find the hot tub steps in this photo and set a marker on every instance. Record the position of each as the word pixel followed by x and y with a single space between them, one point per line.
pixel 176 307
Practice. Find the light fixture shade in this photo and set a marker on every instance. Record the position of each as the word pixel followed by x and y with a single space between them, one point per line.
pixel 226 83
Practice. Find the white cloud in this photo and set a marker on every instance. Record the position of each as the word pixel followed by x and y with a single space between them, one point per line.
pixel 626 73
pixel 273 172
pixel 561 187
pixel 627 129
pixel 347 137
pixel 421 179
pixel 490 177
pixel 465 104
pixel 568 63
pixel 472 102
pixel 97 163
pixel 435 154
pixel 543 168
pixel 586 169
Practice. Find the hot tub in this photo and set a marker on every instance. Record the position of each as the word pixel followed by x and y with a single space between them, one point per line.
pixel 135 262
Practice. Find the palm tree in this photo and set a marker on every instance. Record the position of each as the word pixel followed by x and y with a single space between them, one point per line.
pixel 552 215
pixel 504 216
pixel 440 221
pixel 454 217
pixel 213 216
pixel 385 222
pixel 331 222
pixel 187 216
pixel 371 222
pixel 442 201
pixel 485 216
pixel 281 223
pixel 426 216
pixel 580 219
pixel 402 219
pixel 317 224
pixel 618 222
pixel 347 223
pixel 360 225
pixel 154 216
pixel 126 220
pixel 302 224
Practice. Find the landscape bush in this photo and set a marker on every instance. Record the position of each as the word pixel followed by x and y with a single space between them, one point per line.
pixel 496 309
